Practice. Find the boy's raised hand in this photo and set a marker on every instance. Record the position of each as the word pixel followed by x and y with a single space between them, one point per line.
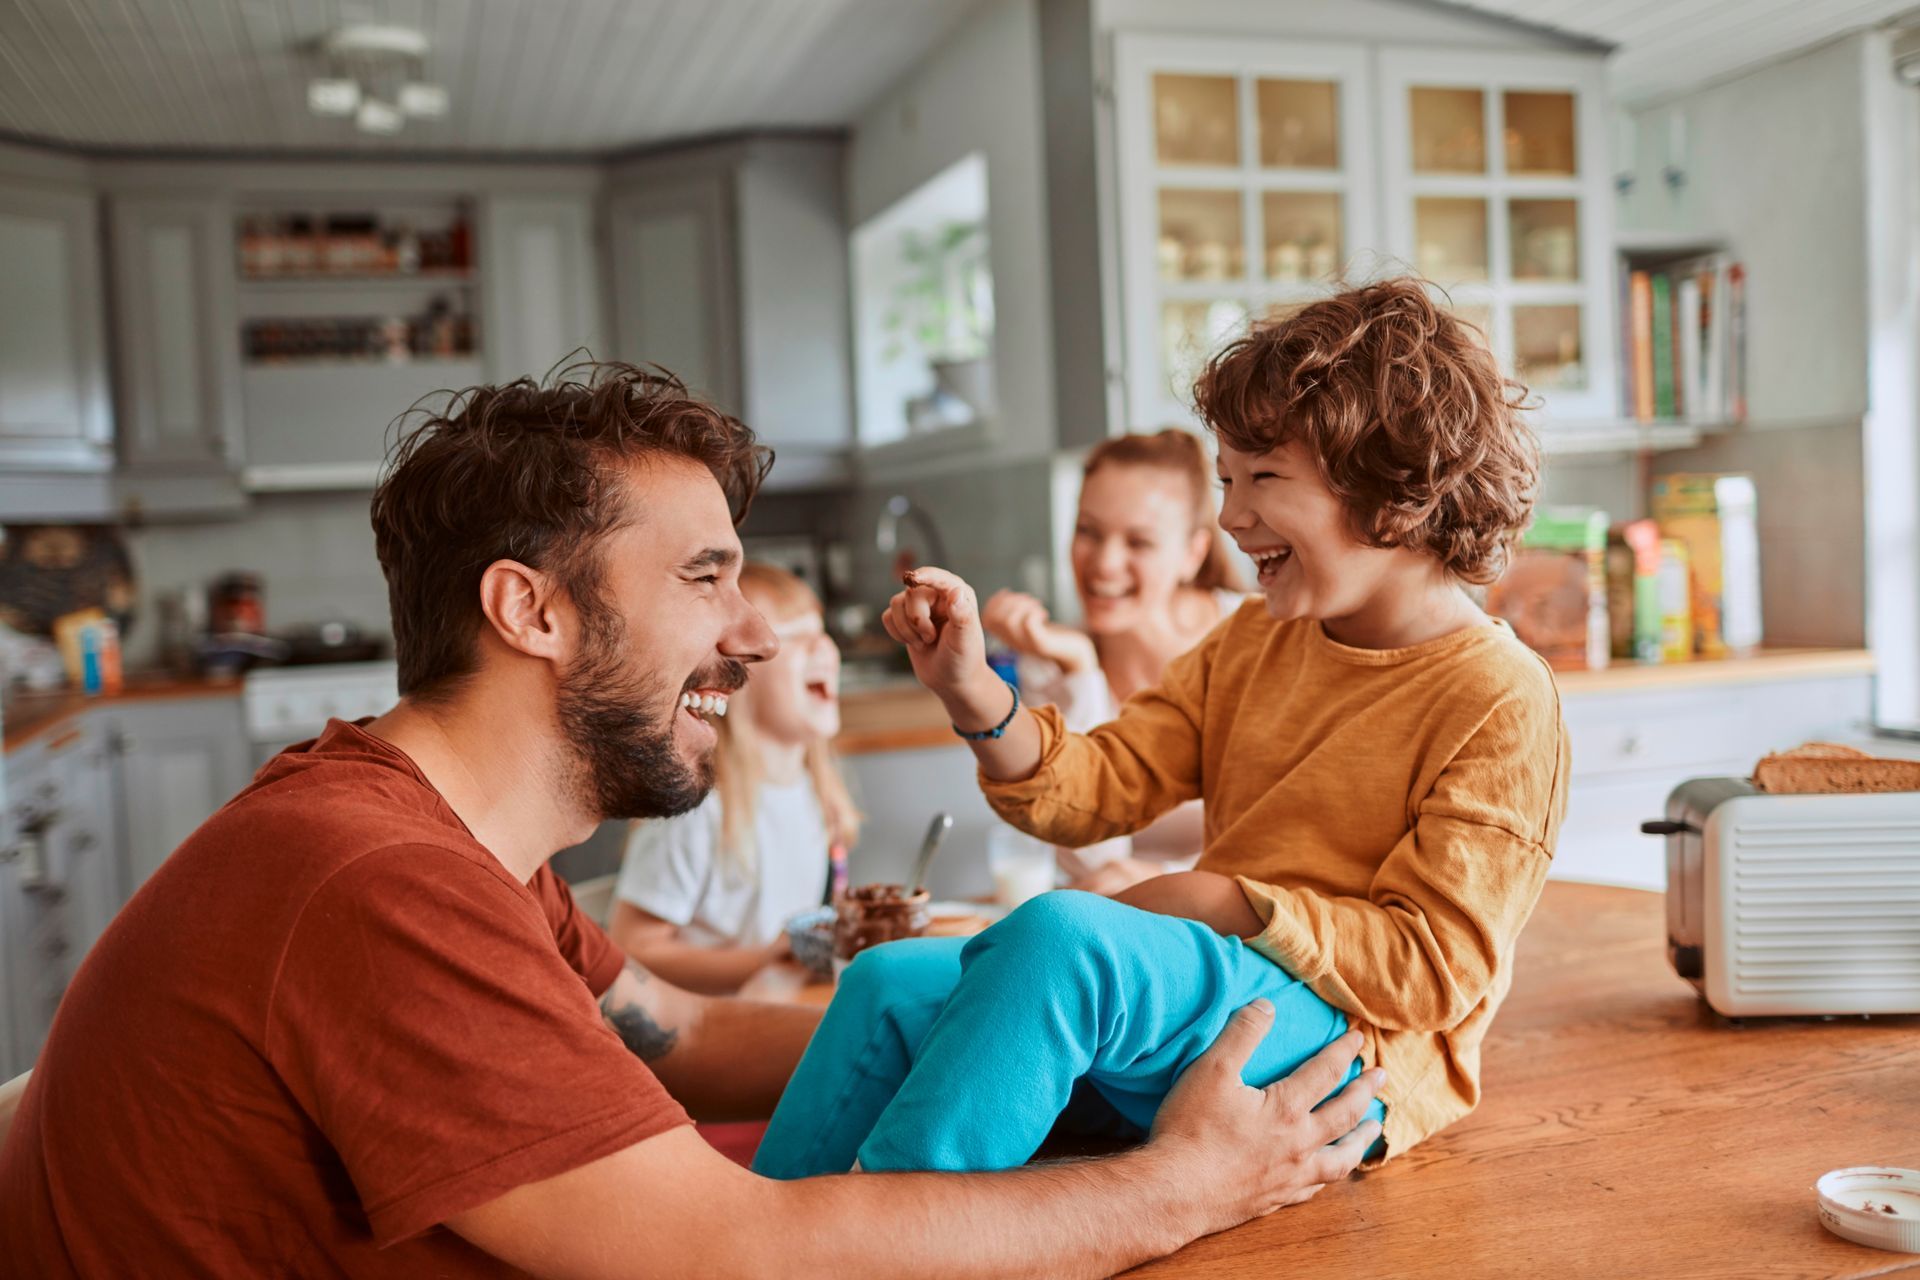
pixel 938 619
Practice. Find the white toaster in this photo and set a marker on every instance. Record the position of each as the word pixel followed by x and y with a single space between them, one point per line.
pixel 1793 904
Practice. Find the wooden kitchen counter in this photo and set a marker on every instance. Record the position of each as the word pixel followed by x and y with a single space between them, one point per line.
pixel 30 715
pixel 895 717
pixel 1626 1130
pixel 1756 668
pixel 905 716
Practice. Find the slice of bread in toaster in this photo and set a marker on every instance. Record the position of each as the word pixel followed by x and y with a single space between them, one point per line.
pixel 1830 768
pixel 1826 751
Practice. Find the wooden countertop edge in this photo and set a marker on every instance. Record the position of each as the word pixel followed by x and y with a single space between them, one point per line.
pixel 46 713
pixel 906 717
pixel 914 731
pixel 860 742
pixel 1767 665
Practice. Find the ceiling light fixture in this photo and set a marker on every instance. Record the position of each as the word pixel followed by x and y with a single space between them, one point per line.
pixel 375 74
pixel 333 97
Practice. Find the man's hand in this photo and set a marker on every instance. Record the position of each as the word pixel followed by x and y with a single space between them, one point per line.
pixel 1252 1151
pixel 1213 899
pixel 1023 622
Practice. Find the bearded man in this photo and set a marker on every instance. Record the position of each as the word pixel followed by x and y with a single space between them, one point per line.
pixel 356 1026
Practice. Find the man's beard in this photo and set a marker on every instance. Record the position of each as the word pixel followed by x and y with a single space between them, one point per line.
pixel 626 764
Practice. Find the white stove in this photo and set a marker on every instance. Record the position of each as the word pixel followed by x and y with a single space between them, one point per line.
pixel 285 705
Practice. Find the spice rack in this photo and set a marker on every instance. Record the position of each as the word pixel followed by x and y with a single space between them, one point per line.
pixel 351 308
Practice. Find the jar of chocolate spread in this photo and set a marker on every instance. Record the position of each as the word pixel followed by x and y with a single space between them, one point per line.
pixel 876 913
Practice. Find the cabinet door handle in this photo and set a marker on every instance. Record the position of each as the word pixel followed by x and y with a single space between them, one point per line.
pixel 83 841
pixel 32 857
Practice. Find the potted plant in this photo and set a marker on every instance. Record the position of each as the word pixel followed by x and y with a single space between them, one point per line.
pixel 944 307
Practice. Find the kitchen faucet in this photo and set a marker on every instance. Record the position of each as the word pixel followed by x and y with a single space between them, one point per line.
pixel 886 530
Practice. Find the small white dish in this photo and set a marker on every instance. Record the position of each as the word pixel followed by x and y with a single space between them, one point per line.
pixel 1872 1205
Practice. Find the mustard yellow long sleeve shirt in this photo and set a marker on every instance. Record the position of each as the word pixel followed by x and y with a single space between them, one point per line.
pixel 1390 813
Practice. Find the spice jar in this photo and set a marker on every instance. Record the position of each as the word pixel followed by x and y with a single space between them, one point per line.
pixel 235 604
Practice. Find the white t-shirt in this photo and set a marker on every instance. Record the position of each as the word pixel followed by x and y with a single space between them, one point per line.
pixel 673 869
pixel 1086 701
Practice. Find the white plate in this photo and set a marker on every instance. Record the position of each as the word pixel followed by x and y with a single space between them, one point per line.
pixel 957 910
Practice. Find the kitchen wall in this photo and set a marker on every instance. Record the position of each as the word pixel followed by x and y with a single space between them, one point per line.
pixel 979 91
pixel 1776 165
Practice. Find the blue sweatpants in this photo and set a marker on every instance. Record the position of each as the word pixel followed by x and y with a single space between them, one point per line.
pixel 956 1054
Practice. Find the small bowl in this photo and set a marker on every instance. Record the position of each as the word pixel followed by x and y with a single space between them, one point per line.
pixel 1872 1205
pixel 811 935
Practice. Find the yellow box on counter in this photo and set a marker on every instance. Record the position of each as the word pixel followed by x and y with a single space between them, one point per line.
pixel 1716 516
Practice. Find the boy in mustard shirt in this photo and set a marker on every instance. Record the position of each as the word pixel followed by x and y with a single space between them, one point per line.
pixel 1383 769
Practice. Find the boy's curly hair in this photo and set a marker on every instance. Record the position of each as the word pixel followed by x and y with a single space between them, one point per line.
pixel 1408 417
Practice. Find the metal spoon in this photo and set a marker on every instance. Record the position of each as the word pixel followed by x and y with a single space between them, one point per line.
pixel 936 834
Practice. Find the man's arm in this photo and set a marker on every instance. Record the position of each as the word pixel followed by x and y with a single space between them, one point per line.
pixel 1221 1152
pixel 721 1058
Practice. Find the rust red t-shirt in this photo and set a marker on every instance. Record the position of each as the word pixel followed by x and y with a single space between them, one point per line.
pixel 329 1022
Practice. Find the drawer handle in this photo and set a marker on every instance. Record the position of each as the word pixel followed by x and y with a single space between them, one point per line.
pixel 1631 745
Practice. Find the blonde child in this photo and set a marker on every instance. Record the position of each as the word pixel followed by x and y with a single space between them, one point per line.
pixel 703 899
pixel 1384 771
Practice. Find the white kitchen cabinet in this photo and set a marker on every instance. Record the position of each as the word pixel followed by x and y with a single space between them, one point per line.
pixel 1496 186
pixel 60 877
pixel 730 269
pixel 1253 172
pixel 179 369
pixel 179 761
pixel 674 273
pixel 1247 183
pixel 54 409
pixel 1630 749
pixel 540 290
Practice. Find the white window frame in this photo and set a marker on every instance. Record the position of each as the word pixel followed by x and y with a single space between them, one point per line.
pixel 1138 57
pixel 1401 69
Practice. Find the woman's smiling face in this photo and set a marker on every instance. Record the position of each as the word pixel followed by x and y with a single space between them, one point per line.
pixel 1299 534
pixel 1134 544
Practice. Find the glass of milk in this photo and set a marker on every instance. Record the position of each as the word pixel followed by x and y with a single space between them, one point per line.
pixel 1023 867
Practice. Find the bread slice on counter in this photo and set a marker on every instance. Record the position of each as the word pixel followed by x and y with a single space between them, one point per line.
pixel 1830 768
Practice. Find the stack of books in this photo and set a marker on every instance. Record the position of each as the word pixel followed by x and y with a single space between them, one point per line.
pixel 1684 338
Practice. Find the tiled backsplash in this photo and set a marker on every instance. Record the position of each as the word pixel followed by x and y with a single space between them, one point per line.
pixel 313 552
pixel 994 520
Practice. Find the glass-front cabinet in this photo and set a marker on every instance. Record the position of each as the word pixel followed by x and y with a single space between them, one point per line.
pixel 1247 179
pixel 1495 187
pixel 1257 174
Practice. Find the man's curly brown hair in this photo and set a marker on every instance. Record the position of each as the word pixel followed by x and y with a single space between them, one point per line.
pixel 1408 418
pixel 534 472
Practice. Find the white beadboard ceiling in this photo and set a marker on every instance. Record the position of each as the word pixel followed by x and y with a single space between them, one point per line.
pixel 1667 46
pixel 553 76
pixel 589 76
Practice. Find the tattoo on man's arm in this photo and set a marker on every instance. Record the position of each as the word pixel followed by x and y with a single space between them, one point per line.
pixel 636 1028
